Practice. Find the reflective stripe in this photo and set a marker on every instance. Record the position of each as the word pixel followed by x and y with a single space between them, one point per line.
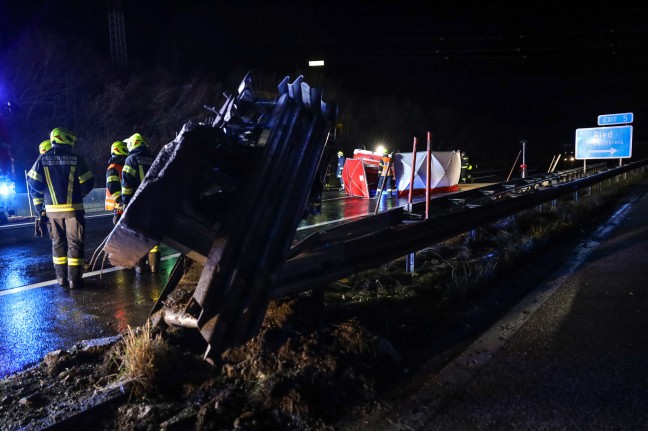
pixel 127 191
pixel 85 177
pixel 70 184
pixel 50 186
pixel 129 170
pixel 141 172
pixel 60 260
pixel 75 261
pixel 112 179
pixel 63 208
pixel 109 205
pixel 35 175
pixel 38 201
pixel 111 201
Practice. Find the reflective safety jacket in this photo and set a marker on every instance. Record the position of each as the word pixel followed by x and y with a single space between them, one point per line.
pixel 63 179
pixel 137 164
pixel 465 163
pixel 384 166
pixel 340 165
pixel 113 181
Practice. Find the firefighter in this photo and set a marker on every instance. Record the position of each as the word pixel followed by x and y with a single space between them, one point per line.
pixel 386 169
pixel 136 166
pixel 465 168
pixel 41 222
pixel 113 202
pixel 64 180
pixel 340 168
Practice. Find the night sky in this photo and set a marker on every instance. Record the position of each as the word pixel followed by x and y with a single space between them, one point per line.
pixel 550 67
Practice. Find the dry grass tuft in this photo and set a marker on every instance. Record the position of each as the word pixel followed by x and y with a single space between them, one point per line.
pixel 140 357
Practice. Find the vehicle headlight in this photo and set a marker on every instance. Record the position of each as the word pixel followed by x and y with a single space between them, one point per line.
pixel 6 189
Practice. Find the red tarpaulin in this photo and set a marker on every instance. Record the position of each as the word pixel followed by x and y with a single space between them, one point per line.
pixel 355 178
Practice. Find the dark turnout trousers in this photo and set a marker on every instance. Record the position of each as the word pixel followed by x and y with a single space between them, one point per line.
pixel 68 248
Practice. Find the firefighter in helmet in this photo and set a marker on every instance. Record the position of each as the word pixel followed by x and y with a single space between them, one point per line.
pixel 386 169
pixel 466 167
pixel 37 199
pixel 340 168
pixel 41 222
pixel 64 179
pixel 113 202
pixel 137 164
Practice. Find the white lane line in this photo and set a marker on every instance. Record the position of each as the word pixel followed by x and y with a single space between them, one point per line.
pixel 171 256
pixel 86 275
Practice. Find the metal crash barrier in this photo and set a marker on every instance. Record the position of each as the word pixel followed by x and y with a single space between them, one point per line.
pixel 229 195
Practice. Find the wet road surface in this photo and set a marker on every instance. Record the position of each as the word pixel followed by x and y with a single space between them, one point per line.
pixel 38 316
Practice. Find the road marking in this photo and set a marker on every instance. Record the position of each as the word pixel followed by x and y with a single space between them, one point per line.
pixel 86 275
pixel 448 383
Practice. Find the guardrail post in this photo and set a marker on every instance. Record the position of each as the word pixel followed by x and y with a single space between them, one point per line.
pixel 410 263
pixel 576 196
pixel 411 185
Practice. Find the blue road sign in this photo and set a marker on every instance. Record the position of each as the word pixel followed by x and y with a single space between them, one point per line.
pixel 606 120
pixel 604 143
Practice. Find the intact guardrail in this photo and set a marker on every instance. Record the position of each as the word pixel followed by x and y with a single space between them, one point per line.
pixel 330 255
pixel 93 202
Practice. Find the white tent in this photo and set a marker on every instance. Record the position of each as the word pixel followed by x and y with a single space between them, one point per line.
pixel 445 171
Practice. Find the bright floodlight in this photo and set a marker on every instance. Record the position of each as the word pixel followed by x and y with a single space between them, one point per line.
pixel 380 149
pixel 316 63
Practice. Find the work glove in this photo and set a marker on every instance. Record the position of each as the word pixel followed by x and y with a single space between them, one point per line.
pixel 40 224
pixel 118 211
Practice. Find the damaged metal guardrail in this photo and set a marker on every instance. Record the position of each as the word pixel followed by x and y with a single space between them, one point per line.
pixel 229 195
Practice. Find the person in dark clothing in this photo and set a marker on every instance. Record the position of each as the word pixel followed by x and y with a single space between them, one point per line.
pixel 63 178
pixel 340 168
pixel 41 223
pixel 465 168
pixel 136 166
pixel 386 169
pixel 113 202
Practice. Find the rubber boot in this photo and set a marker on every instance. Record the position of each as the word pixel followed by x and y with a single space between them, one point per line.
pixel 154 260
pixel 75 276
pixel 140 266
pixel 61 275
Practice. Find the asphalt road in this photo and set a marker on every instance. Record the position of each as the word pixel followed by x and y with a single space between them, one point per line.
pixel 571 356
pixel 38 316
